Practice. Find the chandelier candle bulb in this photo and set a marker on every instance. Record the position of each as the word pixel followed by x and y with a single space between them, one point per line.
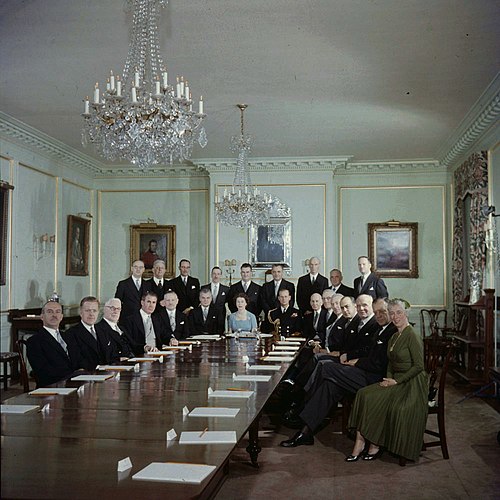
pixel 186 90
pixel 96 93
pixel 136 79
pixel 134 94
pixel 200 109
pixel 112 81
pixel 86 106
pixel 118 87
pixel 165 79
pixel 108 85
pixel 182 86
pixel 157 87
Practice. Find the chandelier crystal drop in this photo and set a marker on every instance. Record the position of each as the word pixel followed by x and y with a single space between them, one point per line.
pixel 140 117
pixel 243 205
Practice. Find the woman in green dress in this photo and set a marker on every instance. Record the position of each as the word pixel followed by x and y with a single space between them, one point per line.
pixel 392 414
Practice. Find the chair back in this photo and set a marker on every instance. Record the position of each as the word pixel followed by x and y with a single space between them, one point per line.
pixel 21 349
pixel 438 356
pixel 431 321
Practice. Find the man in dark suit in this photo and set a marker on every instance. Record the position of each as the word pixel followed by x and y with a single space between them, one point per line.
pixel 285 318
pixel 269 294
pixel 369 282
pixel 93 349
pixel 313 282
pixel 174 321
pixel 186 287
pixel 130 290
pixel 52 355
pixel 159 284
pixel 145 331
pixel 219 291
pixel 248 287
pixel 311 323
pixel 337 285
pixel 108 327
pixel 206 318
pixel 333 381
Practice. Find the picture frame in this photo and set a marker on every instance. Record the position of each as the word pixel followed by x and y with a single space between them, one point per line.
pixel 149 242
pixel 393 249
pixel 271 243
pixel 77 246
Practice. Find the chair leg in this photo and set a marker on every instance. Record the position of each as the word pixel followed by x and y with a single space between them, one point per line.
pixel 442 435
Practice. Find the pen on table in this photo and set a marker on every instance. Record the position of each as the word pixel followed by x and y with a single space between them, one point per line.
pixel 206 429
pixel 236 389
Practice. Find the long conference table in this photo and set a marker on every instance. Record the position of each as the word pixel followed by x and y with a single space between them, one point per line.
pixel 72 448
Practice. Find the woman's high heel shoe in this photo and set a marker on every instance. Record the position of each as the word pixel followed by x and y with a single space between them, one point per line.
pixel 373 456
pixel 355 458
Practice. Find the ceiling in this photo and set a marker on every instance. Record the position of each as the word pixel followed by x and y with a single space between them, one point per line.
pixel 375 79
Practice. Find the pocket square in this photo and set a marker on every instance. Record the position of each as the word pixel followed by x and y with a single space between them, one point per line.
pixel 379 342
pixel 223 293
pixel 371 288
pixel 193 286
pixel 181 323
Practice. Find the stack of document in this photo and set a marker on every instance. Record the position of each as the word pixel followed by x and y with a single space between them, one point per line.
pixel 174 472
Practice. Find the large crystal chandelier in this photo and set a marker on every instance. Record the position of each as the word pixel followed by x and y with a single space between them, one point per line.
pixel 243 205
pixel 141 117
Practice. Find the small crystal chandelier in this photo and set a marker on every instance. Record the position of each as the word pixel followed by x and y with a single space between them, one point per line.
pixel 243 205
pixel 140 117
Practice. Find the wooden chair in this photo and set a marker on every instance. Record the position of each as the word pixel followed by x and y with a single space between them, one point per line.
pixel 21 349
pixel 8 359
pixel 438 359
pixel 432 321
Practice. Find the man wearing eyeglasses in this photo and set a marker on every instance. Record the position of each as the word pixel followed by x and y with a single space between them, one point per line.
pixel 131 290
pixel 108 328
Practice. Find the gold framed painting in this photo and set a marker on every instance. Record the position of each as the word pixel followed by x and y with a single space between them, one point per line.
pixel 77 246
pixel 149 242
pixel 393 249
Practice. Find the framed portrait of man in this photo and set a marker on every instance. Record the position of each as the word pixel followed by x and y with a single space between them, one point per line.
pixel 392 248
pixel 77 246
pixel 150 242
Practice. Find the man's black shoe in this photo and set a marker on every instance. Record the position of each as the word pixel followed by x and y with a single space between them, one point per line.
pixel 298 440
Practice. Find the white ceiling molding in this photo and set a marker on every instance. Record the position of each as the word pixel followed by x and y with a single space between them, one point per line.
pixel 323 163
pixel 476 125
pixel 381 167
pixel 35 140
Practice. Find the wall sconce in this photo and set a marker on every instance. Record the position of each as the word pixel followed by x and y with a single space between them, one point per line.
pixel 230 269
pixel 43 246
pixel 306 265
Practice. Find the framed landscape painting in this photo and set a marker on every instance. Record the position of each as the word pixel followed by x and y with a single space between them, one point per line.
pixel 392 248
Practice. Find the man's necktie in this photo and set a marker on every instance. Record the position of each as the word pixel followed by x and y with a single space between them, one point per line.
pixel 245 287
pixel 313 279
pixel 205 313
pixel 172 322
pixel 92 331
pixel 61 342
pixel 150 336
pixel 160 284
pixel 276 289
pixel 215 292
pixel 185 281
pixel 138 284
pixel 316 318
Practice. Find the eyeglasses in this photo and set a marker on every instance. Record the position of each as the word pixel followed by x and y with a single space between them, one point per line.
pixel 113 308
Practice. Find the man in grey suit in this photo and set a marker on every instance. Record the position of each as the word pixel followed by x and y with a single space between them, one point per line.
pixel 337 285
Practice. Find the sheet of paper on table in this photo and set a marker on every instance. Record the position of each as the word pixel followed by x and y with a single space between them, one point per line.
pixel 92 378
pixel 286 348
pixel 18 409
pixel 251 378
pixel 117 368
pixel 214 411
pixel 278 359
pixel 205 337
pixel 208 437
pixel 230 394
pixel 274 368
pixel 172 472
pixel 142 360
pixel 288 342
pixel 53 391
